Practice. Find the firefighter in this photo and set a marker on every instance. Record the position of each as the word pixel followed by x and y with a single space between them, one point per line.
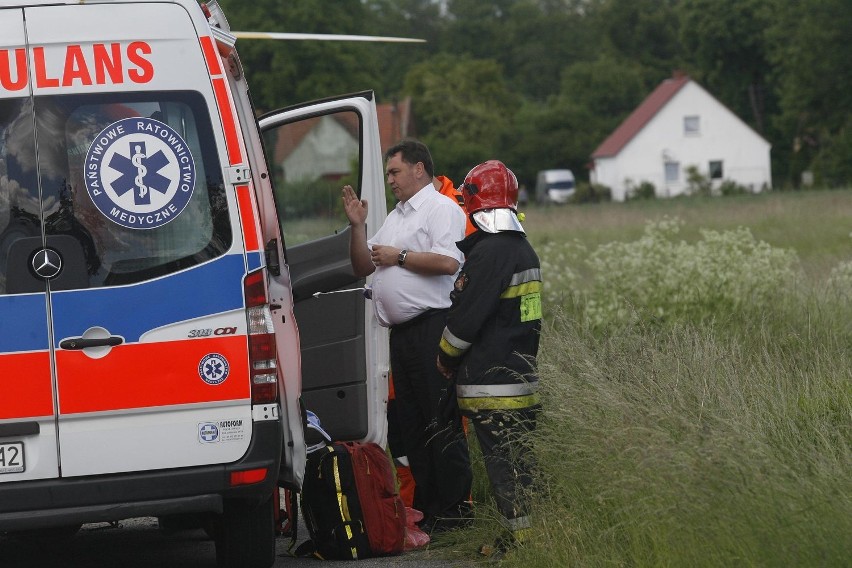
pixel 490 342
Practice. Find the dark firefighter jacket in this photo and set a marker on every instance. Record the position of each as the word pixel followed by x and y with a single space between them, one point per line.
pixel 493 326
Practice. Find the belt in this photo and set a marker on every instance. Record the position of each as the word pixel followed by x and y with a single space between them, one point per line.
pixel 420 318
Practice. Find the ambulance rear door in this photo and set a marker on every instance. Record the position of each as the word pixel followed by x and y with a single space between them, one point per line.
pixel 312 150
pixel 131 256
pixel 28 447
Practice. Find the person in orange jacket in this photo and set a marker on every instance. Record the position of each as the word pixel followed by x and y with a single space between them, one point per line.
pixel 445 186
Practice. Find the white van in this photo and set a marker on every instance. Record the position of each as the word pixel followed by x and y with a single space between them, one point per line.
pixel 155 258
pixel 554 186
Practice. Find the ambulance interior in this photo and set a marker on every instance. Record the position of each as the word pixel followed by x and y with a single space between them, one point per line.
pixel 66 127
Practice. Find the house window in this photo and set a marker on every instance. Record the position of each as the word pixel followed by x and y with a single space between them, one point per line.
pixel 715 169
pixel 692 125
pixel 672 171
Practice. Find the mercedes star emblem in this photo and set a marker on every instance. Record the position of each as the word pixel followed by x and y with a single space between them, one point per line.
pixel 47 263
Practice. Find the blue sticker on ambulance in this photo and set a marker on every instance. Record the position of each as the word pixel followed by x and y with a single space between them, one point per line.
pixel 213 369
pixel 140 173
pixel 208 433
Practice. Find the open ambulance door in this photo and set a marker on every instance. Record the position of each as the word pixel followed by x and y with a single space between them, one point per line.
pixel 312 151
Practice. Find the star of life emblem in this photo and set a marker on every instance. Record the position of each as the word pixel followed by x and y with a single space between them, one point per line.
pixel 139 173
pixel 213 369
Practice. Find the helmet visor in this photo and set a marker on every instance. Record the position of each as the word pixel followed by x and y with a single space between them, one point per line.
pixel 496 220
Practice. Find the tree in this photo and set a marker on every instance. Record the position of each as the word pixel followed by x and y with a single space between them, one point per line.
pixel 810 49
pixel 640 31
pixel 421 19
pixel 726 45
pixel 532 39
pixel 463 106
pixel 282 73
pixel 594 98
pixel 541 82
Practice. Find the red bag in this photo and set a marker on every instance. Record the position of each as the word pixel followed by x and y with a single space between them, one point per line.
pixel 414 535
pixel 381 505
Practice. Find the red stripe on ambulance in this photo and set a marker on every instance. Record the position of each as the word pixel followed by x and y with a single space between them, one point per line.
pixel 25 384
pixel 211 55
pixel 232 140
pixel 147 375
pixel 247 218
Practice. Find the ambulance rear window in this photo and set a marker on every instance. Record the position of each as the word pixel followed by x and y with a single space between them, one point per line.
pixel 136 179
pixel 19 200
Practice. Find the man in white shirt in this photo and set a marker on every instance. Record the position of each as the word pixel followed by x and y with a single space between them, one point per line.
pixel 414 260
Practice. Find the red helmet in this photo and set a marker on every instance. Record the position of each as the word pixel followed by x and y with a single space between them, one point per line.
pixel 490 185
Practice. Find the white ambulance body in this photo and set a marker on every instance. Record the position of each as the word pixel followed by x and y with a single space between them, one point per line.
pixel 154 263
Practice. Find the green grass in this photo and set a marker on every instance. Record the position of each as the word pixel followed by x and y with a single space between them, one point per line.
pixel 686 429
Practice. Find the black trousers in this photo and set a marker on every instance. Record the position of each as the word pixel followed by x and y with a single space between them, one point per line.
pixel 508 459
pixel 438 456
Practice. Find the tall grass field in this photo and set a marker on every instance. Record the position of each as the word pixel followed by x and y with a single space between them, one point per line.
pixel 696 373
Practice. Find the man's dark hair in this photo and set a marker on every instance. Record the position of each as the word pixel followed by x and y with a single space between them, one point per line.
pixel 413 151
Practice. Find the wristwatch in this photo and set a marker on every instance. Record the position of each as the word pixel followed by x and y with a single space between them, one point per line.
pixel 400 260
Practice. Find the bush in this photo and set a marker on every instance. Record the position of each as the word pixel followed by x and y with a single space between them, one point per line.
pixel 591 193
pixel 730 187
pixel 697 183
pixel 659 279
pixel 645 190
pixel 560 265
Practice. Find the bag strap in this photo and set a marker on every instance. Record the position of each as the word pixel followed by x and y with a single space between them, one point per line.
pixel 306 549
pixel 293 513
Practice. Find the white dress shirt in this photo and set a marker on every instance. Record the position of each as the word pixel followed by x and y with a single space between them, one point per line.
pixel 428 222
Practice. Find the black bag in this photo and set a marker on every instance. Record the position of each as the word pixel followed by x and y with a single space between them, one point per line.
pixel 331 508
pixel 350 503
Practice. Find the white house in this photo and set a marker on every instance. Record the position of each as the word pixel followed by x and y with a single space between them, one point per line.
pixel 322 147
pixel 677 126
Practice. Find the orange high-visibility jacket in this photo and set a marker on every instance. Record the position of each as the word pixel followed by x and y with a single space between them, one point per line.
pixel 450 191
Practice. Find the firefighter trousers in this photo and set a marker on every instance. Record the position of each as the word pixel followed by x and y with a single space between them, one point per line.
pixel 509 462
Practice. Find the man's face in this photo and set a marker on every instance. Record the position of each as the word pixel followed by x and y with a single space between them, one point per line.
pixel 404 179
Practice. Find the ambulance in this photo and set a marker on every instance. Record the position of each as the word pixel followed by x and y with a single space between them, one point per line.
pixel 175 286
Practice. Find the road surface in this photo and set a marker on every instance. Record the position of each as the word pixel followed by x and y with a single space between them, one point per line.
pixel 139 543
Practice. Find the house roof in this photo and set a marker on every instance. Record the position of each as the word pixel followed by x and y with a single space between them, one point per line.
pixel 637 120
pixel 395 122
pixel 296 132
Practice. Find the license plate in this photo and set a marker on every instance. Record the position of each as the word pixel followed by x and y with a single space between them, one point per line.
pixel 11 457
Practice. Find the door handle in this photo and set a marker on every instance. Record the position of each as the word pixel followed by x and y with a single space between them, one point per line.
pixel 82 343
pixel 14 429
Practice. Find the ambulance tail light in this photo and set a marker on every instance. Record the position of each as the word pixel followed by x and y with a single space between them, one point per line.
pixel 248 476
pixel 261 340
